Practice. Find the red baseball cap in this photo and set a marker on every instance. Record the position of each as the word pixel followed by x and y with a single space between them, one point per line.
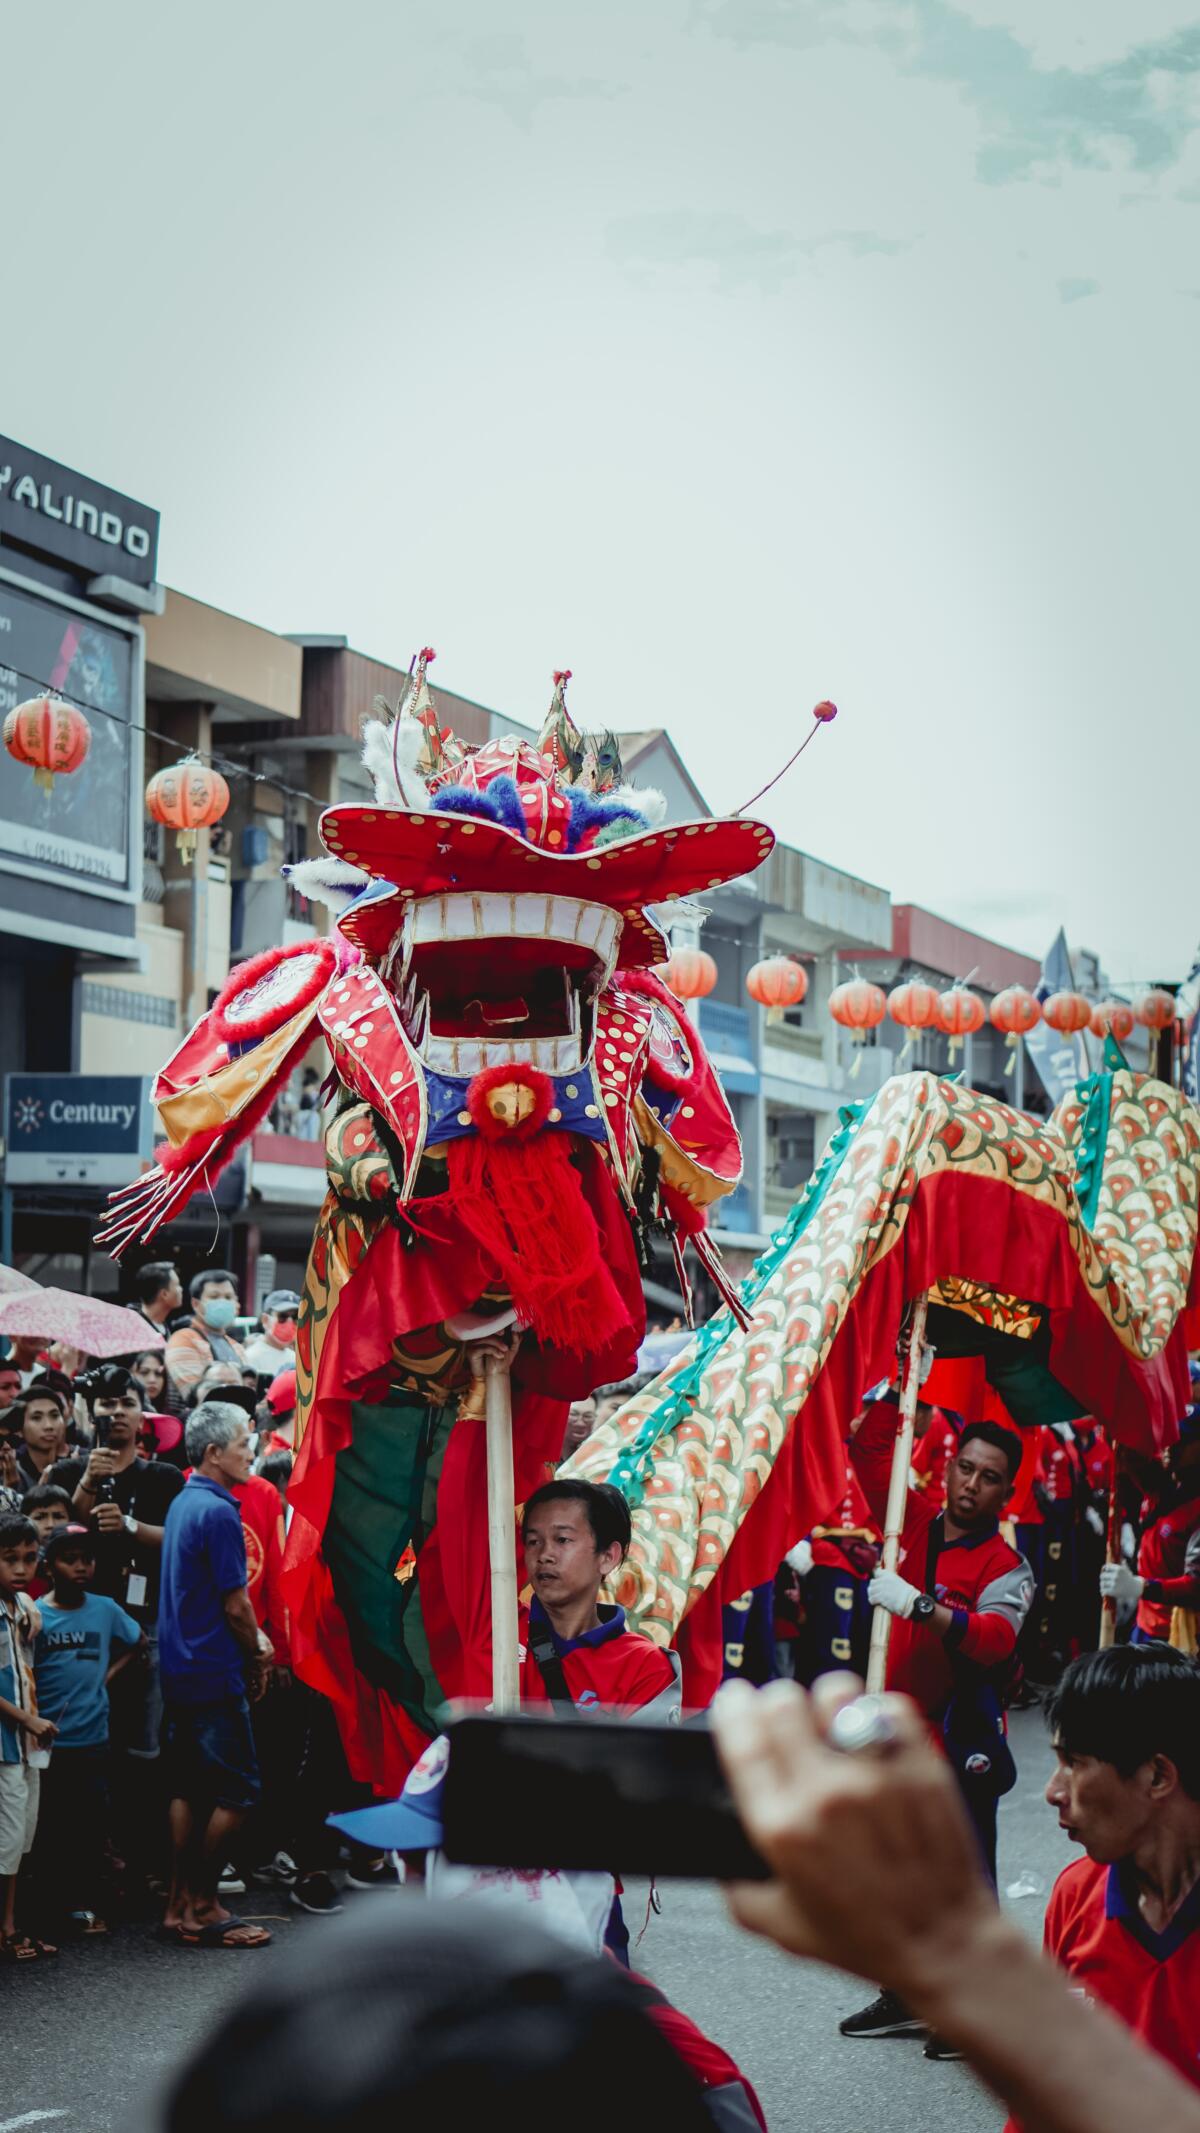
pixel 281 1393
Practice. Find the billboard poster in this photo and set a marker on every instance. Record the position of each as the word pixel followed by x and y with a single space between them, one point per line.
pixel 81 828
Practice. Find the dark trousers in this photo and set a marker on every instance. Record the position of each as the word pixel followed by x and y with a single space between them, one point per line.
pixel 983 1811
pixel 68 1854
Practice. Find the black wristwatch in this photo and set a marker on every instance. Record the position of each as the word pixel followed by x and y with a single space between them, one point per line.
pixel 923 1607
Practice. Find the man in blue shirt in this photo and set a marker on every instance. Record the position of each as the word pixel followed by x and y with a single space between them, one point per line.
pixel 84 1640
pixel 212 1652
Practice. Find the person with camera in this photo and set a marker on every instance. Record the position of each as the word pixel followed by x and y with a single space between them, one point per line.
pixel 215 1659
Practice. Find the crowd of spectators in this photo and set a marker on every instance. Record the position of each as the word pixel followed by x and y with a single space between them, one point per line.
pixel 151 1736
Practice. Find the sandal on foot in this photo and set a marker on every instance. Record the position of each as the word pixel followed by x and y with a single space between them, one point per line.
pixel 225 1933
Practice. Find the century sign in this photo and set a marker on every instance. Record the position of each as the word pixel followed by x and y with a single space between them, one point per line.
pixel 66 1129
pixel 94 530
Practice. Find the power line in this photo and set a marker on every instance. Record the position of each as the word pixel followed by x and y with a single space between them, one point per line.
pixel 226 766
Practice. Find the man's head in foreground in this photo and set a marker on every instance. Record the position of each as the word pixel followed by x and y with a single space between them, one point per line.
pixel 1125 1726
pixel 440 2017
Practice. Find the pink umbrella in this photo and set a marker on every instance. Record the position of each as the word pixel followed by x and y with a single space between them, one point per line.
pixel 12 1283
pixel 83 1322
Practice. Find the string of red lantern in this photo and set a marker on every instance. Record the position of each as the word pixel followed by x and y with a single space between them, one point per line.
pixel 960 1014
pixel 913 1006
pixel 1067 1012
pixel 1014 1012
pixel 858 1006
pixel 52 737
pixel 187 797
pixel 1113 1018
pixel 690 974
pixel 777 983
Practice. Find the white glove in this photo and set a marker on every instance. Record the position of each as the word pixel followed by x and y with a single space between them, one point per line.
pixel 1128 1543
pixel 1094 1519
pixel 889 1590
pixel 800 1558
pixel 1118 1582
pixel 1064 1432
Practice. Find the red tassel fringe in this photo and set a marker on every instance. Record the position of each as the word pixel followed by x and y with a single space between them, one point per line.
pixel 525 1205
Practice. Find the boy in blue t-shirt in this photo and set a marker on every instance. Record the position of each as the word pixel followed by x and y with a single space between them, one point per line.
pixel 85 1639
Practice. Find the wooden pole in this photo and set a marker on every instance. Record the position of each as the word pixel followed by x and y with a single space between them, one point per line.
pixel 506 1686
pixel 1112 1554
pixel 897 1503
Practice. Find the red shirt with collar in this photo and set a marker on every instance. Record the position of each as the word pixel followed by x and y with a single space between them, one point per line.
pixel 986 1583
pixel 1062 1465
pixel 1161 1557
pixel 609 1668
pixel 1095 1930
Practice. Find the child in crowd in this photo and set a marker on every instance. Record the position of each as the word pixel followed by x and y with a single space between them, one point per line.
pixel 23 1734
pixel 85 1639
pixel 49 1507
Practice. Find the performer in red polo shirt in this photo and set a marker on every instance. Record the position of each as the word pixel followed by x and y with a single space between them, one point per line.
pixel 574 1647
pixel 959 1596
pixel 1125 1922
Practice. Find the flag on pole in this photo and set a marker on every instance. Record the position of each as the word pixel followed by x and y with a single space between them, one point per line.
pixel 1060 1061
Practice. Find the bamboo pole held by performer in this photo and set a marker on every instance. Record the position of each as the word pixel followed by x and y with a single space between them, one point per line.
pixel 897 1502
pixel 1112 1554
pixel 506 1688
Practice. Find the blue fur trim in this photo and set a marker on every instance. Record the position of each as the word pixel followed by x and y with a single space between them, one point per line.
pixel 591 811
pixel 460 800
pixel 503 792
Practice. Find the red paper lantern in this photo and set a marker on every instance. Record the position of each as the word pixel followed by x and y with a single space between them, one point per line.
pixel 52 737
pixel 858 1006
pixel 914 1005
pixel 960 1014
pixel 690 974
pixel 187 798
pixel 1113 1018
pixel 1067 1012
pixel 1155 1009
pixel 777 983
pixel 1015 1011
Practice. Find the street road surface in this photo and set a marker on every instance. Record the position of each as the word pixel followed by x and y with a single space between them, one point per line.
pixel 86 2039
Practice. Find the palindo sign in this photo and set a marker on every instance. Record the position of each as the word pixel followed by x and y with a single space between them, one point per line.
pixel 80 522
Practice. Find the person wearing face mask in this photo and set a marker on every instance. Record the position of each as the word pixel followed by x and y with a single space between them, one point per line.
pixel 272 1350
pixel 214 1300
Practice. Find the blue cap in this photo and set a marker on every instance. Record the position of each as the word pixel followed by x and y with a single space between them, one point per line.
pixel 413 1823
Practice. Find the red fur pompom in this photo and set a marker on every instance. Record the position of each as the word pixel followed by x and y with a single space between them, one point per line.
pixel 496 1127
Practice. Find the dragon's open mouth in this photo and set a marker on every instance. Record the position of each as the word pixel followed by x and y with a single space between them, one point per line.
pixel 484 979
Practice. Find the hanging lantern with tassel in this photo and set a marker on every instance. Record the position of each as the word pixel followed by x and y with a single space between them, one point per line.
pixel 857 1006
pixel 1155 1009
pixel 777 983
pixel 187 797
pixel 1068 1013
pixel 1113 1018
pixel 52 737
pixel 690 974
pixel 1015 1012
pixel 960 1014
pixel 914 1007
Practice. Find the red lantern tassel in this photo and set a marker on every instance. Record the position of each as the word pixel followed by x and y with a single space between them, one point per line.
pixel 523 1200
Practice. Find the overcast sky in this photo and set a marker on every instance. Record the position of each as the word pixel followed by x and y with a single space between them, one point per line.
pixel 735 353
